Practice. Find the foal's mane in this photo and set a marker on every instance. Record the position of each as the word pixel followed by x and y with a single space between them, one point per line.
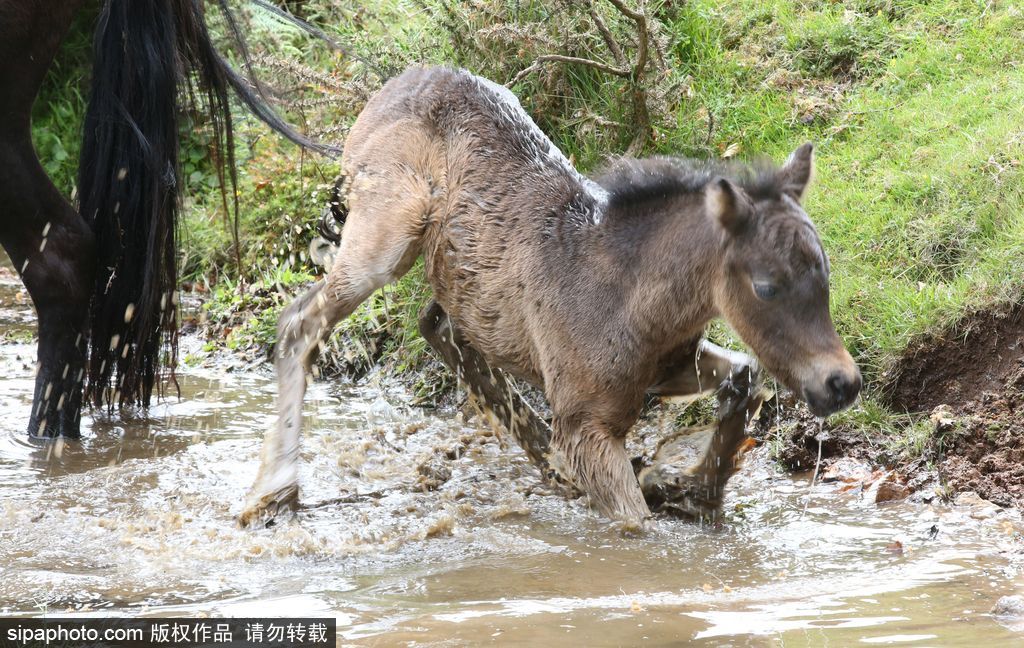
pixel 632 181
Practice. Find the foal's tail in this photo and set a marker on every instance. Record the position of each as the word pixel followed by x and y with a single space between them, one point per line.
pixel 146 54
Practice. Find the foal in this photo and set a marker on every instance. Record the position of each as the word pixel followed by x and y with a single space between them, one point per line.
pixel 596 291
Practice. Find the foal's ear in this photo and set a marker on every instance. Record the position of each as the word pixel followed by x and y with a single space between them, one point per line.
pixel 795 174
pixel 726 204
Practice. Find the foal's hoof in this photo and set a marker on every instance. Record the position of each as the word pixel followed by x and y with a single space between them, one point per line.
pixel 668 482
pixel 262 510
pixel 671 490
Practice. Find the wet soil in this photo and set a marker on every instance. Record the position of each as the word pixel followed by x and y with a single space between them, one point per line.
pixel 980 355
pixel 986 453
pixel 971 379
pixel 801 440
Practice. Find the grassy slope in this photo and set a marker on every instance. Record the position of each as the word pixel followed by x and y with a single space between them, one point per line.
pixel 917 193
pixel 920 200
pixel 916 108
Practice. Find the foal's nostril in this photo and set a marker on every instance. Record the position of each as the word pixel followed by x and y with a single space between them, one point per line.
pixel 835 385
pixel 842 388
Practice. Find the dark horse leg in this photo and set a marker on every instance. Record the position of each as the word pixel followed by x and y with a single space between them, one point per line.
pixel 697 491
pixel 50 244
pixel 490 389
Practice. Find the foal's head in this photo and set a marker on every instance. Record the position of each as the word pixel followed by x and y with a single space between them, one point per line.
pixel 774 283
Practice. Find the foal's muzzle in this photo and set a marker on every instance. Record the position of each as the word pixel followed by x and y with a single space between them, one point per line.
pixel 839 391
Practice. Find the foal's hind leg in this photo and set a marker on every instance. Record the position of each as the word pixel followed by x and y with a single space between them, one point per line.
pixel 697 491
pixel 374 251
pixel 490 388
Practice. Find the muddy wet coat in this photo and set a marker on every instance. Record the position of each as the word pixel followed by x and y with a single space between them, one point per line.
pixel 597 291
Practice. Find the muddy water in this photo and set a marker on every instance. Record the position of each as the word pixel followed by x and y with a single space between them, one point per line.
pixel 423 530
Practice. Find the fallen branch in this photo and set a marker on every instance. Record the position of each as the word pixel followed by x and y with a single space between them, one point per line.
pixel 609 40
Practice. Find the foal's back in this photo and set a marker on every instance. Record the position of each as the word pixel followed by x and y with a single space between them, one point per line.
pixel 453 161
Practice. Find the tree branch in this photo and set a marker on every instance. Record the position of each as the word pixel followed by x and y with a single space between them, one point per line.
pixel 558 58
pixel 635 16
pixel 641 113
pixel 635 72
pixel 606 34
pixel 640 18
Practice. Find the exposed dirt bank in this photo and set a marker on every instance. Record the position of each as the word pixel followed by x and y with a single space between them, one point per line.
pixel 972 381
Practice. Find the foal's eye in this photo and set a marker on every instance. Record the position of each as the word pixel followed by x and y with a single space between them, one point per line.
pixel 765 291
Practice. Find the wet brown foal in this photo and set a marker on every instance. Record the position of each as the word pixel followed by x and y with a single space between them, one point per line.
pixel 595 290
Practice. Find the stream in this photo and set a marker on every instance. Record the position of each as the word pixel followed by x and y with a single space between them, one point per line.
pixel 424 529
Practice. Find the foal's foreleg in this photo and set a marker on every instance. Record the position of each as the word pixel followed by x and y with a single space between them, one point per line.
pixel 491 390
pixel 595 459
pixel 697 491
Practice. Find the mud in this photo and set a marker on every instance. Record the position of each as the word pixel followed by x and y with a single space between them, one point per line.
pixel 800 439
pixel 978 356
pixel 986 451
pixel 971 379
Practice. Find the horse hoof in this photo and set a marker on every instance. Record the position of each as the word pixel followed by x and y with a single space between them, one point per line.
pixel 671 491
pixel 262 511
pixel 636 528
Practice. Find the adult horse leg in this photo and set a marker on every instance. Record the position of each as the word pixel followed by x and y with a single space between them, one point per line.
pixel 376 248
pixel 50 245
pixel 697 491
pixel 491 390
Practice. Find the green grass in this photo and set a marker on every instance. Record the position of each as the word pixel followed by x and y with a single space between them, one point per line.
pixel 918 194
pixel 915 107
pixel 60 107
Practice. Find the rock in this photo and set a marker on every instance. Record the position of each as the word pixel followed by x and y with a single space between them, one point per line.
pixel 969 498
pixel 433 474
pixel 920 481
pixel 1009 606
pixel 846 470
pixel 891 490
pixel 942 418
pixel 980 508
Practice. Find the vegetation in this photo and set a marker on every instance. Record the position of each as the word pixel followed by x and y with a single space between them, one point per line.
pixel 915 107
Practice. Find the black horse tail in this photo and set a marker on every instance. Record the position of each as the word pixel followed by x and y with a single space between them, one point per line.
pixel 146 53
pixel 334 215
